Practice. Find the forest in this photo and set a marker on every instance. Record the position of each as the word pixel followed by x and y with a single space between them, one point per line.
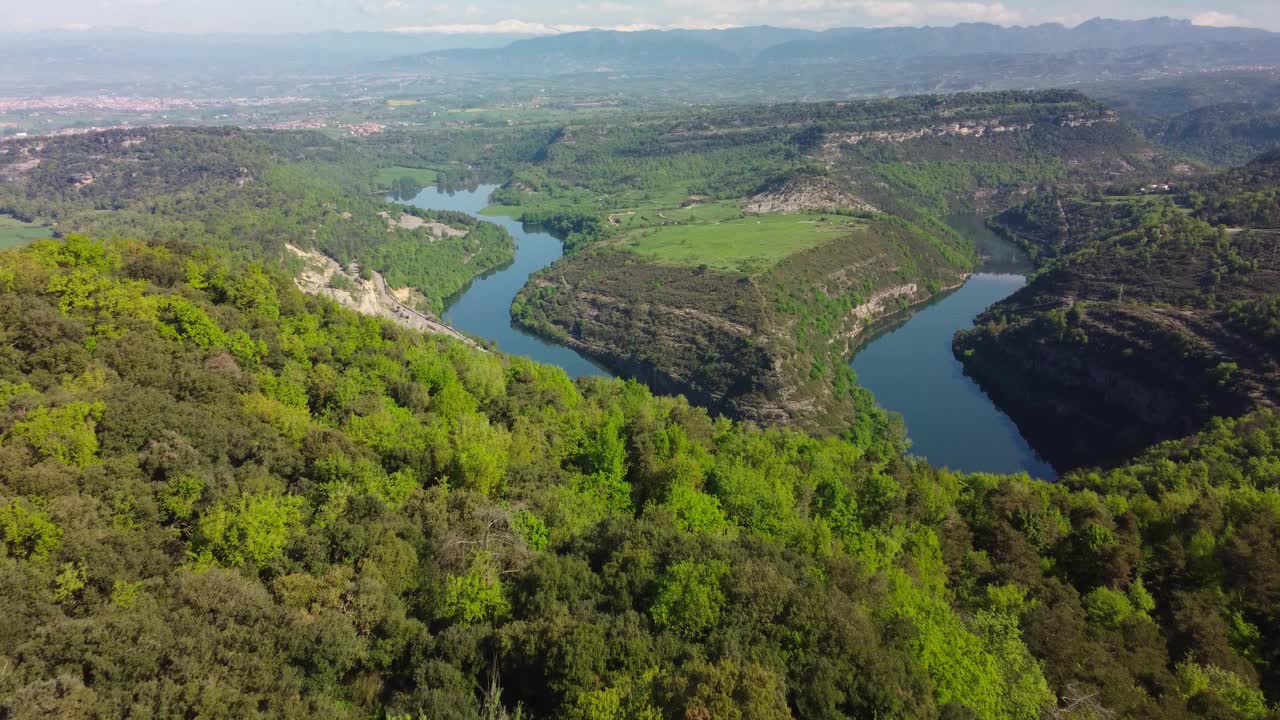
pixel 223 498
pixel 1148 316
pixel 249 192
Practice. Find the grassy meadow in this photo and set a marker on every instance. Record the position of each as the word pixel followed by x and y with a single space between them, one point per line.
pixel 747 245
pixel 16 233
pixel 387 176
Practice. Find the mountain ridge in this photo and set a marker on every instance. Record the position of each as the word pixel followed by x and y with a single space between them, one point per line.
pixel 581 50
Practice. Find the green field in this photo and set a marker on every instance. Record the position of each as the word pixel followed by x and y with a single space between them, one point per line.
pixel 387 176
pixel 708 212
pixel 746 245
pixel 15 233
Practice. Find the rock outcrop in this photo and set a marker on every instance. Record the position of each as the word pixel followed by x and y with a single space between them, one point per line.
pixel 805 192
pixel 322 275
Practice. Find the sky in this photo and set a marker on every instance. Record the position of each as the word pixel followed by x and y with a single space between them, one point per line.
pixel 550 16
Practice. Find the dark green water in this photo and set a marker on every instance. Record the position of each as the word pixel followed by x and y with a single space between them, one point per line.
pixel 483 308
pixel 913 372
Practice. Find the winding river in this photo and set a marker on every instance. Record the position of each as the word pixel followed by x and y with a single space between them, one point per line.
pixel 910 368
pixel 483 307
pixel 912 371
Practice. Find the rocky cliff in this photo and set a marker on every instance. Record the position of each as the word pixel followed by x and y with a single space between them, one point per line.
pixel 768 347
pixel 1134 337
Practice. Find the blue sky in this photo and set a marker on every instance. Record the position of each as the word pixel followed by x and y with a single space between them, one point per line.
pixel 542 16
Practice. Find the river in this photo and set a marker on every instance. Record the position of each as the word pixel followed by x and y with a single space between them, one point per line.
pixel 912 371
pixel 910 368
pixel 483 307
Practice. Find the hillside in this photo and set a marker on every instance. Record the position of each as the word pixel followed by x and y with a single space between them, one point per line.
pixel 1248 196
pixel 220 497
pixel 1144 323
pixel 1223 118
pixel 1223 134
pixel 249 192
pixel 755 339
pixel 737 255
pixel 767 46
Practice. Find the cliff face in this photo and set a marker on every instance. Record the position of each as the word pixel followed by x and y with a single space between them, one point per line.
pixel 768 347
pixel 805 192
pixel 1120 379
pixel 1132 338
pixel 678 330
pixel 324 276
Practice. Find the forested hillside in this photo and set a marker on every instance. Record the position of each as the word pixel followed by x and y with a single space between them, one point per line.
pixel 222 498
pixel 1146 319
pixel 248 192
pixel 1247 196
pixel 1222 118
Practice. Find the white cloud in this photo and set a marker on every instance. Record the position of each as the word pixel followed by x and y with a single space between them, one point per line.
pixel 904 12
pixel 975 12
pixel 606 6
pixel 505 27
pixel 829 13
pixel 1213 18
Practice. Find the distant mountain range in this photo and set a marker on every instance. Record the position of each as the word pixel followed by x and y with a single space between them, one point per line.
pixel 1093 49
pixel 611 50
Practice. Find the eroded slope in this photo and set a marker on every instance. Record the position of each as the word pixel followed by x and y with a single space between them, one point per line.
pixel 1135 336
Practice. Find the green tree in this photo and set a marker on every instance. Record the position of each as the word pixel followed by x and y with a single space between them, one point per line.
pixel 66 434
pixel 252 531
pixel 689 599
pixel 480 454
pixel 28 532
pixel 603 458
pixel 476 596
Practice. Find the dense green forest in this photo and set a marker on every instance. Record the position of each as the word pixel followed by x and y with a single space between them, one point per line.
pixel 249 192
pixel 1248 196
pixel 1220 118
pixel 1149 315
pixel 222 498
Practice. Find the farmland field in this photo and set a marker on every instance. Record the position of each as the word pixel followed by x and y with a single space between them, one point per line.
pixel 15 233
pixel 387 176
pixel 747 245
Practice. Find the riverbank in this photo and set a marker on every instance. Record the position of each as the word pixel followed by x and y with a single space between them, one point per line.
pixel 482 308
pixel 907 362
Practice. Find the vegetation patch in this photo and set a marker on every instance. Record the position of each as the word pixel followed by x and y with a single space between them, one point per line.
pixel 252 193
pixel 388 177
pixel 1144 321
pixel 222 498
pixel 404 183
pixel 16 233
pixel 747 245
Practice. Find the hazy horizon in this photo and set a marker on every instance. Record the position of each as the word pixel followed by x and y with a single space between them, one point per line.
pixel 543 18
